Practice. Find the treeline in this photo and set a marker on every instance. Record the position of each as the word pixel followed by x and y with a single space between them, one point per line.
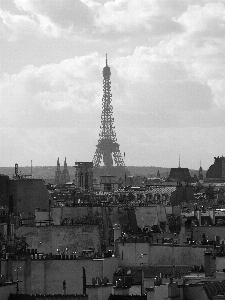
pixel 49 171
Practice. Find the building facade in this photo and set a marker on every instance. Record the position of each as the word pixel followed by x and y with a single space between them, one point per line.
pixel 84 175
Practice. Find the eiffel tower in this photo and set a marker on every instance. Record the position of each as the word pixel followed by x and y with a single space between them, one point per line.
pixel 107 149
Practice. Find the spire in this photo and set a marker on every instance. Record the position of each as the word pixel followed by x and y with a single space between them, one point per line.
pixel 200 169
pixel 106 60
pixel 179 160
pixel 200 172
pixel 65 164
pixel 58 165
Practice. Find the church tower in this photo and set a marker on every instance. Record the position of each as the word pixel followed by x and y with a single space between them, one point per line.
pixel 200 173
pixel 58 174
pixel 66 175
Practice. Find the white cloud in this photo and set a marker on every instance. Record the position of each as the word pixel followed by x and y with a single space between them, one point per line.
pixel 166 58
pixel 161 146
pixel 218 89
pixel 126 15
pixel 73 84
pixel 68 14
pixel 209 18
pixel 15 27
pixel 132 16
pixel 93 18
pixel 178 64
pixel 183 63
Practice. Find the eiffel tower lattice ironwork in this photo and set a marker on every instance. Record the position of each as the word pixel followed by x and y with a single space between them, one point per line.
pixel 107 147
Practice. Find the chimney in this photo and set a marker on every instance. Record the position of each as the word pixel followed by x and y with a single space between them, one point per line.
pixel 150 293
pixel 208 263
pixel 117 231
pixel 117 234
pixel 173 290
pixel 212 216
pixel 198 216
pixel 84 281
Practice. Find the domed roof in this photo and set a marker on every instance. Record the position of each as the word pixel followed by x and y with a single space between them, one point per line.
pixel 215 170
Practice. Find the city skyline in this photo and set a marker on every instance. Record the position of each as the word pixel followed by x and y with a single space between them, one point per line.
pixel 167 78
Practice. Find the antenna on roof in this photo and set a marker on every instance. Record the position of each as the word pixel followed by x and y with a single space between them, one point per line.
pixel 179 160
pixel 106 60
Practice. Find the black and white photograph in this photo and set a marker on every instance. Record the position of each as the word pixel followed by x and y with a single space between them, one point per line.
pixel 112 149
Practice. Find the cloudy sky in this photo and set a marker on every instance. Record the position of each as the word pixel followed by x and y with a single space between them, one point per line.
pixel 167 60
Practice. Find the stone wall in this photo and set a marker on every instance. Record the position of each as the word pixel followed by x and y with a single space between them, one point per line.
pixel 145 254
pixel 220 263
pixel 81 212
pixel 147 216
pixel 47 276
pixel 47 239
pixel 104 216
pixel 210 231
pixel 75 212
pixel 6 289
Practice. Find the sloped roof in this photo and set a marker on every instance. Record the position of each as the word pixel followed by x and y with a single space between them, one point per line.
pixel 162 190
pixel 214 288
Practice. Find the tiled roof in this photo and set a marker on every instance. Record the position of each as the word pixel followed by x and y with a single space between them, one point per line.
pixel 162 190
pixel 214 288
pixel 127 297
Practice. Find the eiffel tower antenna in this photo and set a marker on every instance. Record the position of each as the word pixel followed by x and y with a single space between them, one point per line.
pixel 107 149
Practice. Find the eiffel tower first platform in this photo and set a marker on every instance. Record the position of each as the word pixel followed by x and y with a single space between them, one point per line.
pixel 107 150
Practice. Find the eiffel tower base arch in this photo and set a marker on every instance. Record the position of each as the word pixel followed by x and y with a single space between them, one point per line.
pixel 118 171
